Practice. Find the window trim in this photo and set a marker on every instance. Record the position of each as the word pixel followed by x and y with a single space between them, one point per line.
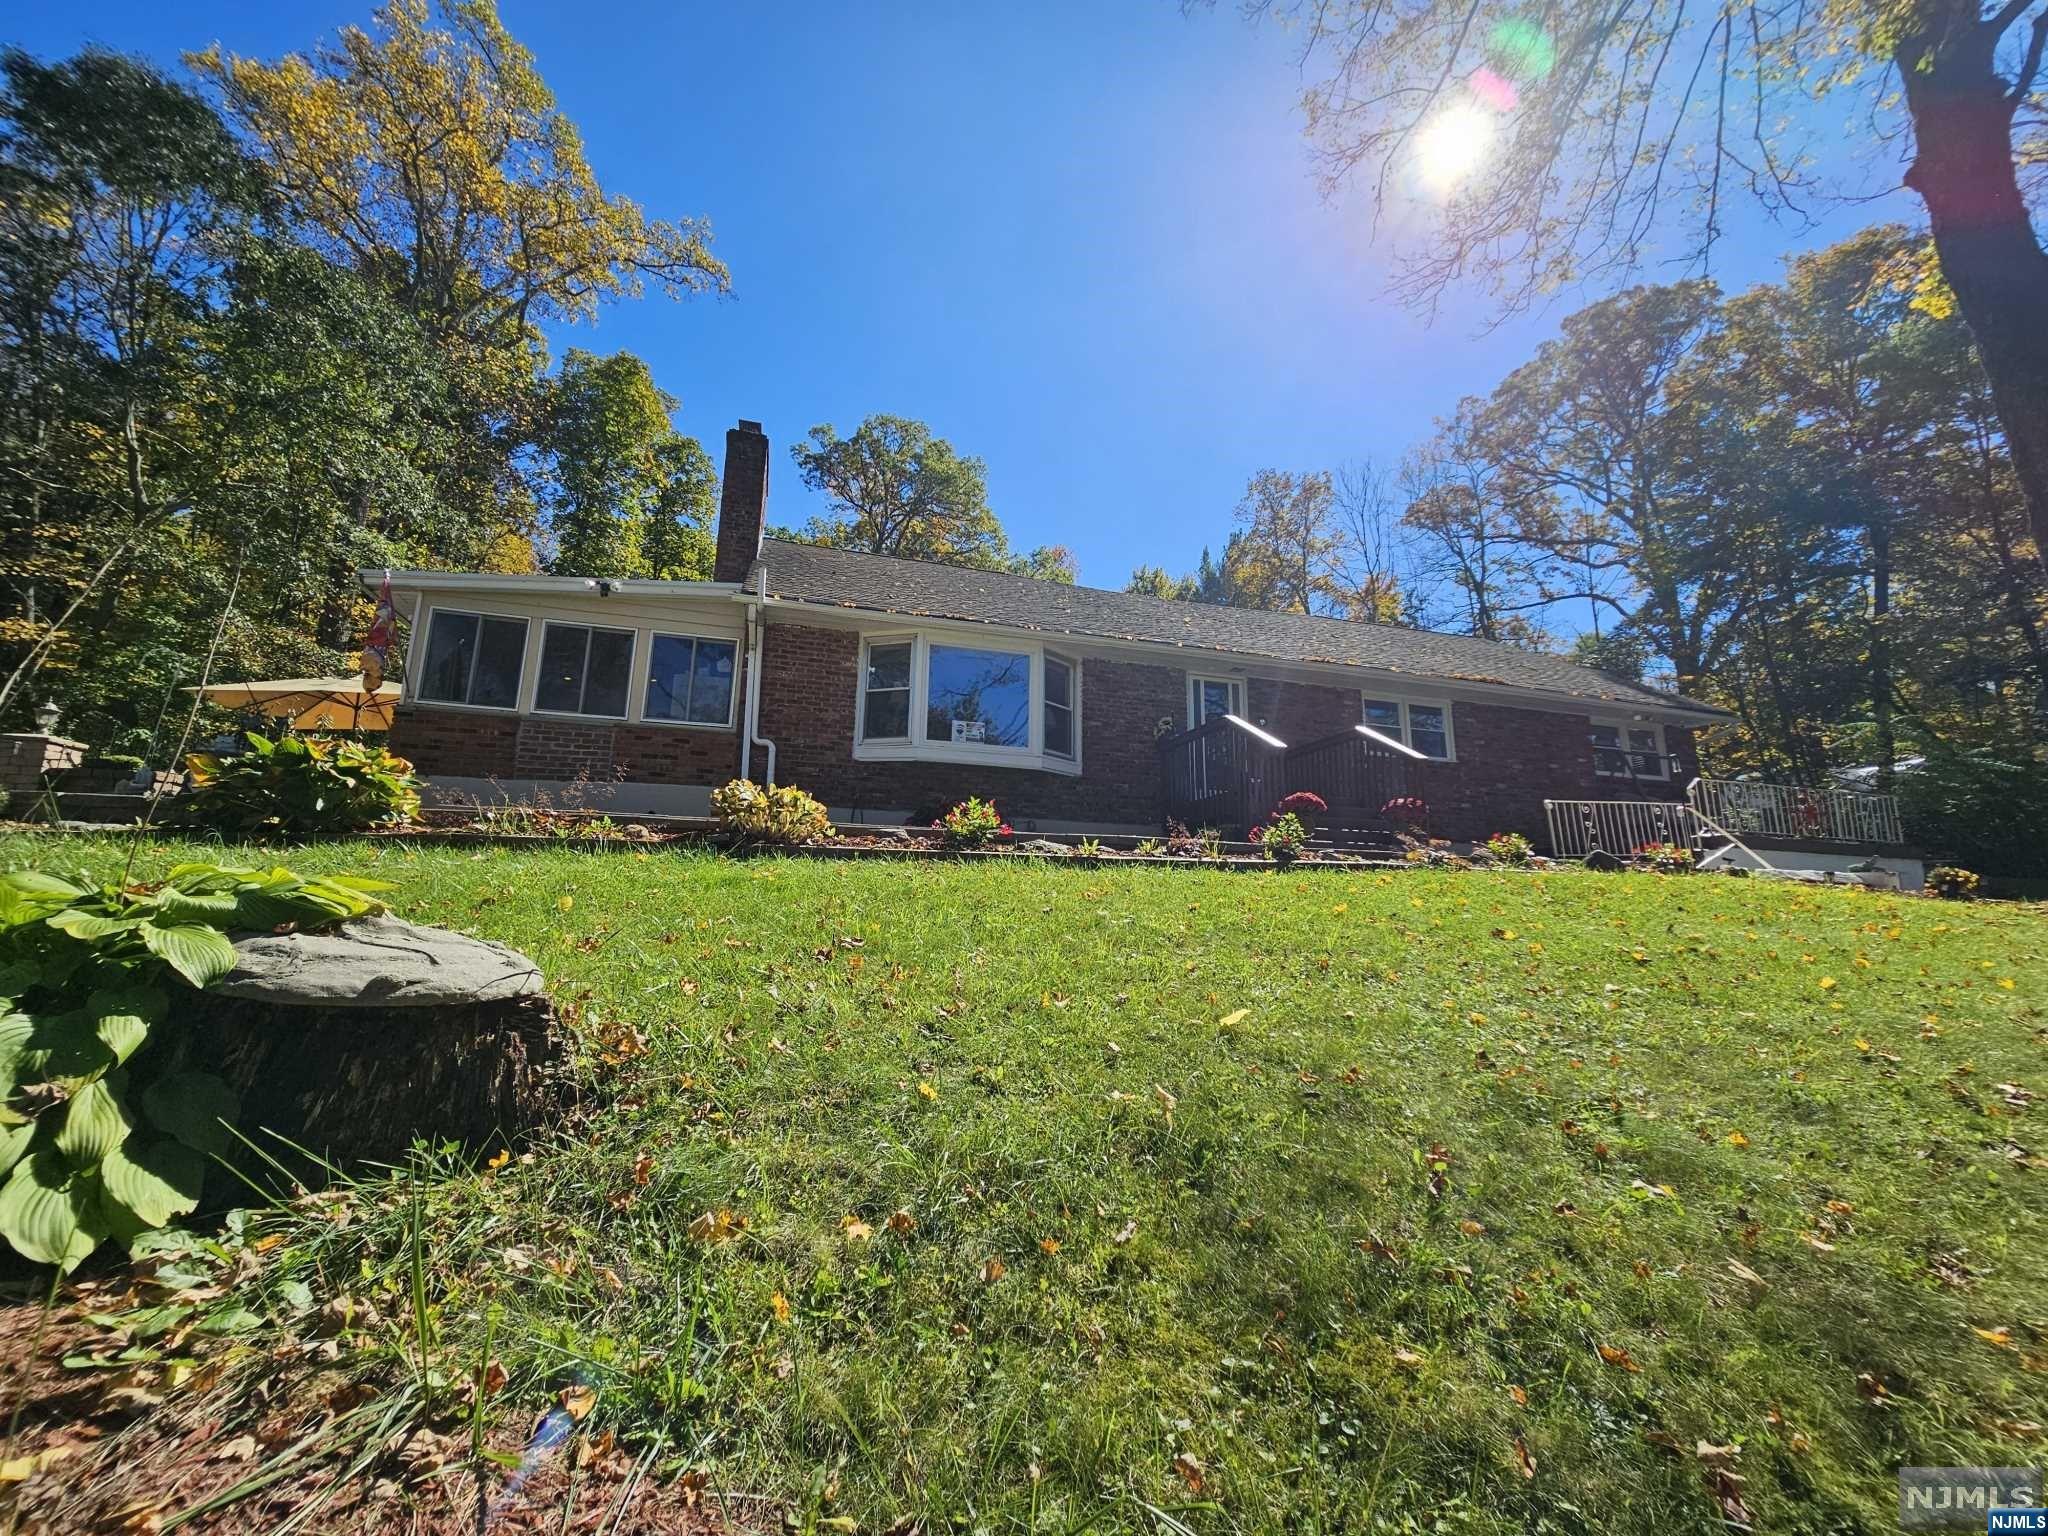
pixel 1196 682
pixel 624 716
pixel 525 623
pixel 1622 726
pixel 637 701
pixel 918 748
pixel 1405 735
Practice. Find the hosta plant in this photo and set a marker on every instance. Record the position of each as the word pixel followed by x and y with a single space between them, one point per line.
pixel 298 784
pixel 97 1139
pixel 781 813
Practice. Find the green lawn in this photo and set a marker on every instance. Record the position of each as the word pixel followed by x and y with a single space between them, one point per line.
pixel 1415 1201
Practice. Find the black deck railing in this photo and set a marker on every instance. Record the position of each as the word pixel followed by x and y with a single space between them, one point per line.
pixel 1220 774
pixel 1228 774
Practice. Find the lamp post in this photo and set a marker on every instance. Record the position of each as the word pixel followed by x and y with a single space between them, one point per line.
pixel 46 717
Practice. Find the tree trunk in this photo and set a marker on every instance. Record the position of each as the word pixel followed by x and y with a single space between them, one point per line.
pixel 1962 113
pixel 1881 687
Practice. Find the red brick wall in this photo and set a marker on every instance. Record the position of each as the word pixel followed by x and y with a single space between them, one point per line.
pixel 455 742
pixel 462 744
pixel 1510 760
pixel 809 678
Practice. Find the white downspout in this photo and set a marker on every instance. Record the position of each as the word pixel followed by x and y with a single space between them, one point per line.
pixel 754 738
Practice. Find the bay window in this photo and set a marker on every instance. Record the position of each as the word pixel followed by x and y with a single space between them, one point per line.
pixel 474 659
pixel 1420 725
pixel 584 671
pixel 1625 751
pixel 690 680
pixel 938 696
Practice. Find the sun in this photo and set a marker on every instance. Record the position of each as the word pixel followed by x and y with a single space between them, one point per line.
pixel 1453 145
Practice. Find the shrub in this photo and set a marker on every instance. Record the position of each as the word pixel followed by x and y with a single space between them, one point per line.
pixel 1406 811
pixel 1510 847
pixel 1183 844
pixel 973 823
pixel 1665 858
pixel 1987 810
pixel 123 761
pixel 1951 883
pixel 1304 804
pixel 781 813
pixel 94 972
pixel 298 784
pixel 1282 838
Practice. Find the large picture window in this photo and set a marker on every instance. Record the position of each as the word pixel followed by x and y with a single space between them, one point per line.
pixel 473 658
pixel 690 680
pixel 584 671
pixel 978 698
pixel 1421 726
pixel 935 696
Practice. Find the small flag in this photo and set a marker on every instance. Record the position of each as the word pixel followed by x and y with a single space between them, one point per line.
pixel 383 634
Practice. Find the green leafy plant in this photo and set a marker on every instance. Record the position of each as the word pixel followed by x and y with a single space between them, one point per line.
pixel 973 823
pixel 1664 858
pixel 780 813
pixel 298 784
pixel 1088 848
pixel 1510 848
pixel 1149 847
pixel 88 974
pixel 1282 838
pixel 1952 883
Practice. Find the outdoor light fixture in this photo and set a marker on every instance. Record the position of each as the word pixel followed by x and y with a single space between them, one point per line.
pixel 46 716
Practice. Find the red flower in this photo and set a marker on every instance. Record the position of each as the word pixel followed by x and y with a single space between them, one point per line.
pixel 1302 801
pixel 1004 830
pixel 1256 835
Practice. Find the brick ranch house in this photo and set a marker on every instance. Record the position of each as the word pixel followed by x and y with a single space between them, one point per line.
pixel 891 688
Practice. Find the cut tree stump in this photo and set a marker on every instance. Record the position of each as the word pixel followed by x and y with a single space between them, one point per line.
pixel 356 1041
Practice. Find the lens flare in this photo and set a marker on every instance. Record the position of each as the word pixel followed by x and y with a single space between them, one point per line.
pixel 1453 145
pixel 1490 88
pixel 1521 50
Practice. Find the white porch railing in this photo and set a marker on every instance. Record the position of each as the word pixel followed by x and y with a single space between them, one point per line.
pixel 1748 807
pixel 1618 827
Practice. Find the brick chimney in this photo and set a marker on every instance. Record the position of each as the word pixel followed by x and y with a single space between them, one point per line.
pixel 742 501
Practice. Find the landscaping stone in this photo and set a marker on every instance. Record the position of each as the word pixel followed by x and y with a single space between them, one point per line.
pixel 1604 862
pixel 1044 848
pixel 378 962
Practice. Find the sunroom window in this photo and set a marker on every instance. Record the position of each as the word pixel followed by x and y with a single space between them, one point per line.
pixel 473 658
pixel 584 671
pixel 1422 727
pixel 885 712
pixel 690 680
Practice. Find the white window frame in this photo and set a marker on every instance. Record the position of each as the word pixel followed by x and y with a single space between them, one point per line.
pixel 1196 683
pixel 918 749
pixel 1621 728
pixel 1072 706
pixel 527 662
pixel 637 700
pixel 589 630
pixel 1406 736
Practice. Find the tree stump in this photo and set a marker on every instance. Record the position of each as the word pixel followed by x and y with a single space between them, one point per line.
pixel 357 1041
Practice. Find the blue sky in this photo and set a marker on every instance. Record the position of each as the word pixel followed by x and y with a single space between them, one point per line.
pixel 1082 240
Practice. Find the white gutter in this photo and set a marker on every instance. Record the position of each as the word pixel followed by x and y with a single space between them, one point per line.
pixel 474 581
pixel 752 736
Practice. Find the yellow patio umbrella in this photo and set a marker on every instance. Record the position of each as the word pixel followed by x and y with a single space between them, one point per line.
pixel 312 703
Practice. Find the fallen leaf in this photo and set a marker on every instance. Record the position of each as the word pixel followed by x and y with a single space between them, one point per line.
pixel 779 1305
pixel 1997 1338
pixel 854 1230
pixel 643 1168
pixel 1726 1488
pixel 1872 1387
pixel 717 1226
pixel 1742 1271
pixel 504 1156
pixel 1737 1139
pixel 1190 1471
pixel 1709 1454
pixel 577 1401
pixel 2019 1429
pixel 1048 1245
pixel 240 1448
pixel 1519 1394
pixel 1618 1358
pixel 1407 1359
pixel 1471 1228
pixel 1232 1019
pixel 927 1091
pixel 1125 1232
pixel 1523 1459
pixel 992 1270
pixel 902 1223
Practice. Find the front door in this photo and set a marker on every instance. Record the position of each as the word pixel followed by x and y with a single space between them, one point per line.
pixel 1209 697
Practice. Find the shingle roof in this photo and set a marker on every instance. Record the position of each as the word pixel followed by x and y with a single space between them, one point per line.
pixel 838 578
